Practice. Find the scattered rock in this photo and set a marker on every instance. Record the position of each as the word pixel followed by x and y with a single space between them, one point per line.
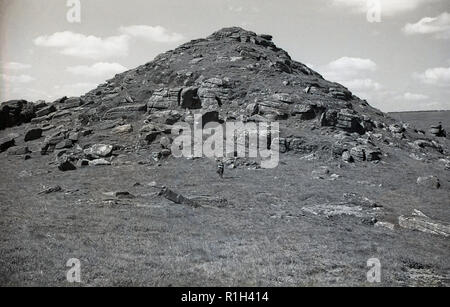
pixel 347 157
pixel 123 129
pixel 421 222
pixel 330 210
pixel 74 136
pixel 385 225
pixel 321 173
pixel 6 143
pixel 66 165
pixel 176 198
pixel 99 150
pixel 82 162
pixel 18 151
pixel 51 190
pixel 437 131
pixel 64 144
pixel 373 154
pixel 33 134
pixel 168 117
pixel 99 162
pixel 121 195
pixel 429 182
pixel 396 128
pixel 358 153
pixel 51 141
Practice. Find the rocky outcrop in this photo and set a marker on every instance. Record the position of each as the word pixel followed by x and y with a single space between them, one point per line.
pixel 163 99
pixel 16 112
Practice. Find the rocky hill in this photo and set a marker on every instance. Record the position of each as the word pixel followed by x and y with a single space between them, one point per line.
pixel 345 165
pixel 237 75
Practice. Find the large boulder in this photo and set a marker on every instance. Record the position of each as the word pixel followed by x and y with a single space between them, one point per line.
pixel 18 151
pixel 420 222
pixel 6 143
pixel 51 141
pixel 99 162
pixel 349 121
pixel 438 131
pixel 123 129
pixel 16 112
pixel 66 165
pixel 33 134
pixel 429 182
pixel 345 119
pixel 99 151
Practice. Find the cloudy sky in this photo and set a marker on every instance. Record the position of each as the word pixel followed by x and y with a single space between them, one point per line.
pixel 401 62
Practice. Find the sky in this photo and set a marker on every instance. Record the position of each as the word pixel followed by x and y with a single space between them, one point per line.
pixel 394 53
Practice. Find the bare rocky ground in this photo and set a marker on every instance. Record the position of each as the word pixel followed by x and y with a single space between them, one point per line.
pixel 352 183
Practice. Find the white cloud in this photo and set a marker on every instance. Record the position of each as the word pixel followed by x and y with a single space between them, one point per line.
pixel 354 64
pixel 80 45
pixel 155 34
pixel 97 70
pixel 94 47
pixel 16 66
pixel 347 68
pixel 388 7
pixel 412 97
pixel 362 85
pixel 353 73
pixel 17 79
pixel 439 26
pixel 439 76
